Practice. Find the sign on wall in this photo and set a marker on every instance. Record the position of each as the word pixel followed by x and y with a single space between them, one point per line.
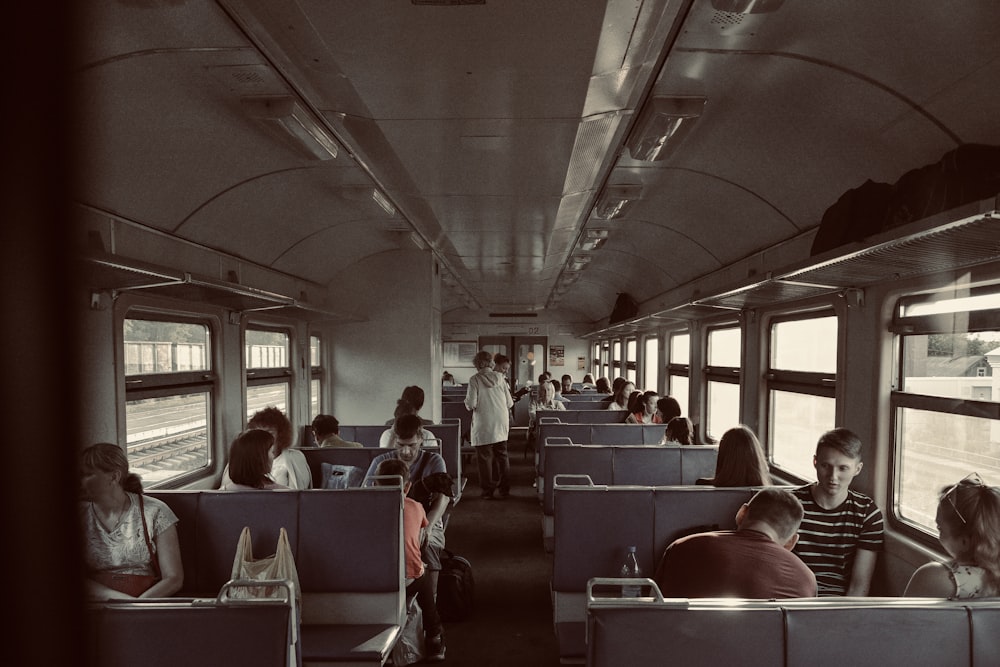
pixel 459 352
pixel 557 355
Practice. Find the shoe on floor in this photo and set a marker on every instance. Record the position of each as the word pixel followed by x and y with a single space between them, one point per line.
pixel 434 648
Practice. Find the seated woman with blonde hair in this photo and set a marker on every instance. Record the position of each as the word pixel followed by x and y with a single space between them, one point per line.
pixel 968 520
pixel 131 545
pixel 741 460
pixel 250 462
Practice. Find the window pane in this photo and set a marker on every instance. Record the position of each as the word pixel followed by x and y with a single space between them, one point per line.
pixel 805 345
pixel 166 437
pixel 616 355
pixel 797 421
pixel 165 347
pixel 266 349
pixel 723 408
pixel 950 365
pixel 651 372
pixel 263 395
pixel 630 349
pixel 680 349
pixel 314 356
pixel 679 390
pixel 938 449
pixel 958 305
pixel 724 347
pixel 314 398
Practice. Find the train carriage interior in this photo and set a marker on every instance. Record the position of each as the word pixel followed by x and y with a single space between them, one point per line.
pixel 782 213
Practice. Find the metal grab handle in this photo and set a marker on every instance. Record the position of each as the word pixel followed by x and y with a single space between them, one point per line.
pixel 621 582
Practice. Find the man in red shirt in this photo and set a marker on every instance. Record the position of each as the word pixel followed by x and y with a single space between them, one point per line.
pixel 754 561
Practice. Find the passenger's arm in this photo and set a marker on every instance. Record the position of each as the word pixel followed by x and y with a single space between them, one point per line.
pixel 930 581
pixel 168 551
pixel 438 508
pixel 861 573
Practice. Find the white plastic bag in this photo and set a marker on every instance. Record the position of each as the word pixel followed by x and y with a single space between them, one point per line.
pixel 409 648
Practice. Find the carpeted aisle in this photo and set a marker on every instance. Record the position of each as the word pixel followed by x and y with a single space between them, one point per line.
pixel 512 622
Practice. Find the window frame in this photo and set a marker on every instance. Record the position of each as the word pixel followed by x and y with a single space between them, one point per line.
pixel 144 386
pixel 900 326
pixel 256 377
pixel 316 373
pixel 650 364
pixel 810 383
pixel 720 374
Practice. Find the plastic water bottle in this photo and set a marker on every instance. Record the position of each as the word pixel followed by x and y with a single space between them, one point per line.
pixel 631 570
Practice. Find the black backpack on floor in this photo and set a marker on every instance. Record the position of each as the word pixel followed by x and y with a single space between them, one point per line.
pixel 456 588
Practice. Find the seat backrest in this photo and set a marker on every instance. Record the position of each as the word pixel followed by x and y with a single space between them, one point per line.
pixel 680 510
pixel 618 434
pixel 594 526
pixel 249 634
pixel 185 505
pixel 221 518
pixel 595 461
pixel 449 432
pixel 457 410
pixel 887 636
pixel 648 635
pixel 352 540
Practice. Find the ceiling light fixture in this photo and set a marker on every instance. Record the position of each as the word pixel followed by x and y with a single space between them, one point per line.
pixel 662 125
pixel 383 201
pixel 593 239
pixel 579 262
pixel 615 200
pixel 747 6
pixel 285 112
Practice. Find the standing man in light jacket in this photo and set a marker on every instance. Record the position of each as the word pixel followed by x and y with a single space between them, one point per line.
pixel 488 399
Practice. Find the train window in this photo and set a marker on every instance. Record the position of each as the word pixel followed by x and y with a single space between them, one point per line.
pixel 315 377
pixel 723 380
pixel 168 397
pixel 679 353
pixel 616 358
pixel 801 383
pixel 947 398
pixel 651 363
pixel 268 369
pixel 605 360
pixel 631 371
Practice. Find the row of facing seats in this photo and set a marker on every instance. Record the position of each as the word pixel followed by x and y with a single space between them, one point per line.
pixel 594 526
pixel 880 632
pixel 348 549
pixel 620 465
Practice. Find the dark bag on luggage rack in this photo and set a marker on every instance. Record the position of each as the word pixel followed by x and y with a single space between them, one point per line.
pixel 456 587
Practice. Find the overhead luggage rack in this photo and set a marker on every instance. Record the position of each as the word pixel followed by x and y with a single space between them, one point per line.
pixel 962 237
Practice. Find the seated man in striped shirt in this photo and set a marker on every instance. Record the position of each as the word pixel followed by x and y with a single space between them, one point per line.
pixel 841 532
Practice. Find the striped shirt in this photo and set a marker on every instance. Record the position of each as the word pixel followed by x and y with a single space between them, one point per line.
pixel 828 539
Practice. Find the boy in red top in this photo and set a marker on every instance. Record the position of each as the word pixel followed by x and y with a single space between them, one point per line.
pixel 418 581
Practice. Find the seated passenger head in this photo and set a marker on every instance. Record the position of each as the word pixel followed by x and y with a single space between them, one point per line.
pixel 274 421
pixel 393 467
pixel 501 363
pixel 603 385
pixel 407 437
pixel 250 458
pixel 483 359
pixel 650 399
pixel 669 408
pixel 679 429
pixel 741 460
pixel 324 426
pixel 617 384
pixel 546 392
pixel 837 460
pixel 588 379
pixel 404 407
pixel 414 395
pixel 103 465
pixel 777 508
pixel 567 382
pixel 968 519
pixel 556 386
